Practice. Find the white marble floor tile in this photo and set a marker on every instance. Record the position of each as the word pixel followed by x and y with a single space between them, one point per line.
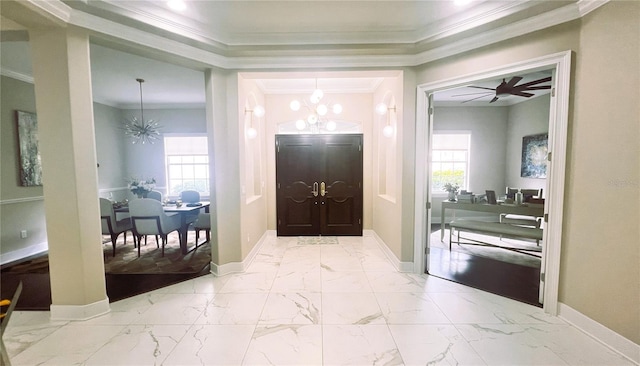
pixel 68 345
pixel 212 345
pixel 410 308
pixel 396 282
pixel 233 308
pixel 249 282
pixel 359 345
pixel 139 345
pixel 309 304
pixel 509 344
pixel 292 308
pixel 346 281
pixel 175 309
pixel 285 345
pixel 208 284
pixel 27 328
pixel 359 308
pixel 288 280
pixel 433 345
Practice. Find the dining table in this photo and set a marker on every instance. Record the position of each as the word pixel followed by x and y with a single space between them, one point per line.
pixel 184 210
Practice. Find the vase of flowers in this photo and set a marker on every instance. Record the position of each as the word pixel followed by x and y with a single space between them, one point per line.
pixel 142 187
pixel 452 189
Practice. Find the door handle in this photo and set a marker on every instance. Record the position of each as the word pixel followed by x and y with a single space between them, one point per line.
pixel 323 190
pixel 314 191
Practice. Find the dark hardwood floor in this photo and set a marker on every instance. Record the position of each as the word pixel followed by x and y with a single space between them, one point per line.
pixel 510 280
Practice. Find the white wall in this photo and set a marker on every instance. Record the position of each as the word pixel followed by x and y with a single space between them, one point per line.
pixel 527 118
pixel 147 161
pixel 110 151
pixel 488 127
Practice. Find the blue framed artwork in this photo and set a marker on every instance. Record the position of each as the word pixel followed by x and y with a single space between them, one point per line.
pixel 534 156
pixel 30 165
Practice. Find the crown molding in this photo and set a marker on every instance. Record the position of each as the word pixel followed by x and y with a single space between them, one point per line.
pixel 587 6
pixel 16 75
pixel 340 56
pixel 55 10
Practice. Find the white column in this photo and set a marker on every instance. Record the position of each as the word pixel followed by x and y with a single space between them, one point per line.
pixel 64 105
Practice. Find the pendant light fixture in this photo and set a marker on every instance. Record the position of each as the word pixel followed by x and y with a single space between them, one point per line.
pixel 142 131
pixel 316 120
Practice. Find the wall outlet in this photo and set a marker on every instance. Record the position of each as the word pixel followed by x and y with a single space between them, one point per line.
pixel 23 234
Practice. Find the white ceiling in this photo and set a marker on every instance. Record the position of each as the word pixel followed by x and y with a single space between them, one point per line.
pixel 246 32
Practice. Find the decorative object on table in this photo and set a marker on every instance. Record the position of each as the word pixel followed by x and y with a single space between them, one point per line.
pixel 142 131
pixel 452 188
pixel 519 197
pixel 534 156
pixel 142 187
pixel 30 164
pixel 491 197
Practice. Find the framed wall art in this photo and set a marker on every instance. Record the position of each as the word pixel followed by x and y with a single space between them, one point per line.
pixel 30 164
pixel 534 156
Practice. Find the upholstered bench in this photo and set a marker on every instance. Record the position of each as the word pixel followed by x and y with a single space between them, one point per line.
pixel 496 228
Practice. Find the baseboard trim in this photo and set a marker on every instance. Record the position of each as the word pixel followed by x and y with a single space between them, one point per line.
pixel 599 332
pixel 239 267
pixel 80 312
pixel 21 253
pixel 404 267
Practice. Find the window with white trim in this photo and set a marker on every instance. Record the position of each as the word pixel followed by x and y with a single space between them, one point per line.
pixel 450 160
pixel 187 164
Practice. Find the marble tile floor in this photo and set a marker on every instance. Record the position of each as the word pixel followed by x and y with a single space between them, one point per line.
pixel 301 304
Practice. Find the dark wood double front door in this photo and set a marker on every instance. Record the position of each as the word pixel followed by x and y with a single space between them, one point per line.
pixel 319 184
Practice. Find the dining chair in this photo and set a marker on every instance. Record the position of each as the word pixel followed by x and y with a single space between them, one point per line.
pixel 111 226
pixel 156 195
pixel 187 197
pixel 149 218
pixel 190 196
pixel 203 223
pixel 5 316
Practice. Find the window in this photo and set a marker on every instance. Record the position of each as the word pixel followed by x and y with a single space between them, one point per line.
pixel 187 164
pixel 450 160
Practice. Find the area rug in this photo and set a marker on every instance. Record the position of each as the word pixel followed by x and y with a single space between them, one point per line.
pixel 317 240
pixel 127 261
pixel 151 259
pixel 500 254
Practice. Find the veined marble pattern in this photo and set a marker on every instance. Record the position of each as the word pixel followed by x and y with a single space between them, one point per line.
pixel 321 304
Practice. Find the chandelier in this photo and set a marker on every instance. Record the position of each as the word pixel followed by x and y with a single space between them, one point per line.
pixel 142 131
pixel 317 119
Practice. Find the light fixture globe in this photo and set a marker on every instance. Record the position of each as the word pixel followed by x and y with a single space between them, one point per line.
pixel 258 111
pixel 381 109
pixel 312 119
pixel 301 124
pixel 322 109
pixel 337 108
pixel 387 131
pixel 331 126
pixel 294 105
pixel 252 133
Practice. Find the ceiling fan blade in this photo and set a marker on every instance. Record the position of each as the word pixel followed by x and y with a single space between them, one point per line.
pixel 472 99
pixel 526 85
pixel 522 94
pixel 481 87
pixel 514 80
pixel 493 100
pixel 462 95
pixel 541 87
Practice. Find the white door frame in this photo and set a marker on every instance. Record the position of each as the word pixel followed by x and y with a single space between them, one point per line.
pixel 558 122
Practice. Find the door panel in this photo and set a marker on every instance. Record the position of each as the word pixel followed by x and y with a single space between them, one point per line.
pixel 332 162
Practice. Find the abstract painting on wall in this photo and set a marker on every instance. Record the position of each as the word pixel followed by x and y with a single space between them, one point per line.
pixel 534 156
pixel 30 165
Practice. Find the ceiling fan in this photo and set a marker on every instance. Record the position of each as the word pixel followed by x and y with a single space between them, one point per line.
pixel 509 88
